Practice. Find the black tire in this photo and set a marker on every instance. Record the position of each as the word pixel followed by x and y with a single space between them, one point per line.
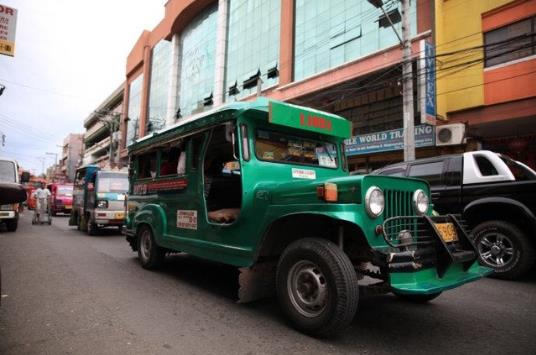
pixel 92 228
pixel 505 248
pixel 417 298
pixel 11 225
pixel 325 275
pixel 150 254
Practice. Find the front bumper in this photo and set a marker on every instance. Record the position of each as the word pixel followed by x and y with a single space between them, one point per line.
pixel 423 259
pixel 427 281
pixel 110 218
pixel 7 214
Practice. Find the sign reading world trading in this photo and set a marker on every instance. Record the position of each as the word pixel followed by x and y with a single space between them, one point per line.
pixel 388 141
pixel 8 24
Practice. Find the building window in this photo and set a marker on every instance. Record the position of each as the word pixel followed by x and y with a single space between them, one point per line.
pixel 158 95
pixel 253 46
pixel 511 42
pixel 134 108
pixel 329 33
pixel 198 51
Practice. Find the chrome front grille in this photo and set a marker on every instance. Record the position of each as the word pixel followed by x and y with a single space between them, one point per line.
pixel 398 203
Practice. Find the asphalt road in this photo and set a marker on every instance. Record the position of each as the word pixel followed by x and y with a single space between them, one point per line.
pixel 64 292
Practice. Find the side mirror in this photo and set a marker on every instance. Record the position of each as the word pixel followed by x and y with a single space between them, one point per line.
pixel 25 177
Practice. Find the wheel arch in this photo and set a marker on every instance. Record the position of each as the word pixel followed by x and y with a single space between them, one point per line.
pixel 501 208
pixel 289 228
pixel 154 217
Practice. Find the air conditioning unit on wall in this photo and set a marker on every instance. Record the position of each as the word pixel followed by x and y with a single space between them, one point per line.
pixel 450 134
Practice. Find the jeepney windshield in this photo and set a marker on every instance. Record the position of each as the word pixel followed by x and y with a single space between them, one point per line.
pixel 8 173
pixel 65 191
pixel 112 182
pixel 283 148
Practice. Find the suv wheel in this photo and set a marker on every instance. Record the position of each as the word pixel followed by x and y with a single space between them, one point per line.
pixel 505 248
pixel 12 225
pixel 150 254
pixel 317 287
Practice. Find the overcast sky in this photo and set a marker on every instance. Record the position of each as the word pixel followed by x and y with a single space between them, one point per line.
pixel 70 55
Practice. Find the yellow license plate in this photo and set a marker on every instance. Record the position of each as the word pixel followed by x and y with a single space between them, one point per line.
pixel 4 214
pixel 68 207
pixel 119 215
pixel 447 232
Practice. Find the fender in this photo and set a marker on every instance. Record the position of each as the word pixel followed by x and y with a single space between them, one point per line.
pixel 155 217
pixel 336 216
pixel 525 212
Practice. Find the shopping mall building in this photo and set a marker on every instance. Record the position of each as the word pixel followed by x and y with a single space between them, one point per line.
pixel 341 56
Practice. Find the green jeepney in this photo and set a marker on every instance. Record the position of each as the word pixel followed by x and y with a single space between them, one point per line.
pixel 264 186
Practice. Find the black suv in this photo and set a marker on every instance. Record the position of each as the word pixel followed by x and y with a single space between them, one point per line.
pixel 497 198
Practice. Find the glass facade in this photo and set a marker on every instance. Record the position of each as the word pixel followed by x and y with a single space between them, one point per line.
pixel 329 33
pixel 158 89
pixel 134 108
pixel 253 45
pixel 198 52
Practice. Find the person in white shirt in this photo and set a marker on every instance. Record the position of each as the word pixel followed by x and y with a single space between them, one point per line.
pixel 42 195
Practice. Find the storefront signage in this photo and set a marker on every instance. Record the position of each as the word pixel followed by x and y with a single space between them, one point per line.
pixel 8 24
pixel 308 119
pixel 389 140
pixel 427 81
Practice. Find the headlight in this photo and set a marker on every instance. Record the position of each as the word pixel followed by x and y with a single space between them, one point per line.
pixel 102 204
pixel 420 202
pixel 374 201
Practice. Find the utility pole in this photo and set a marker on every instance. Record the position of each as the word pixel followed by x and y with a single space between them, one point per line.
pixel 407 77
pixel 407 89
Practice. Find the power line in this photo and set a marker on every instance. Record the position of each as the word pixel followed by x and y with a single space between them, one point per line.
pixel 49 91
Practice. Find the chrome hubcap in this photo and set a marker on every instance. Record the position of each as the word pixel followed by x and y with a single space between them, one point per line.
pixel 496 250
pixel 307 288
pixel 145 244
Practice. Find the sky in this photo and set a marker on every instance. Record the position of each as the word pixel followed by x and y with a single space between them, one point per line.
pixel 70 55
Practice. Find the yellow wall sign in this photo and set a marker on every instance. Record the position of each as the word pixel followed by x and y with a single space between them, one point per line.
pixel 8 25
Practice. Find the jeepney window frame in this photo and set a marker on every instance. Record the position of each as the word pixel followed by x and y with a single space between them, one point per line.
pixel 315 139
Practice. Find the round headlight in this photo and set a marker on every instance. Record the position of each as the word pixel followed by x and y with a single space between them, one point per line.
pixel 374 201
pixel 420 202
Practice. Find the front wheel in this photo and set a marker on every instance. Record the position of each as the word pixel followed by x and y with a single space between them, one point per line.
pixel 150 254
pixel 505 248
pixel 92 228
pixel 317 287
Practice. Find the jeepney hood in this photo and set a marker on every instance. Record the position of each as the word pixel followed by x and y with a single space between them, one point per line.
pixel 350 189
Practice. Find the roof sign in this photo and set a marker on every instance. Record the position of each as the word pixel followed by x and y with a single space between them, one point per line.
pixel 309 119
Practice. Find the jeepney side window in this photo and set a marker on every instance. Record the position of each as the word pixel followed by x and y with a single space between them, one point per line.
pixel 147 165
pixel 173 161
pixel 222 177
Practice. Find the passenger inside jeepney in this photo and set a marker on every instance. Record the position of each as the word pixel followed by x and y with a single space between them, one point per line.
pixel 173 161
pixel 222 180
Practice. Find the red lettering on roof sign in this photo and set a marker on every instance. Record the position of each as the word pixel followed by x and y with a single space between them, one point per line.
pixel 316 122
pixel 6 10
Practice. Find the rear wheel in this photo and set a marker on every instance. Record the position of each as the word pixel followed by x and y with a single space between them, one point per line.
pixel 150 254
pixel 505 248
pixel 317 287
